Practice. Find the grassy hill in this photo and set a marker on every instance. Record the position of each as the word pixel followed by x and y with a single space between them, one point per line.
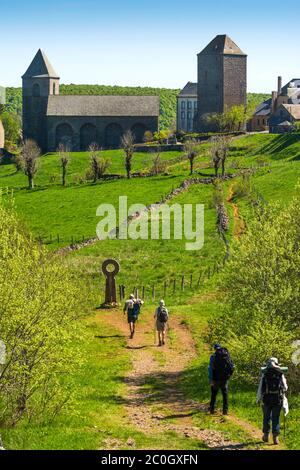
pixel 102 382
pixel 167 98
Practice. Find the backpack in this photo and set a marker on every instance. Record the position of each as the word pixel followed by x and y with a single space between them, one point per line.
pixel 223 366
pixel 136 309
pixel 272 387
pixel 162 315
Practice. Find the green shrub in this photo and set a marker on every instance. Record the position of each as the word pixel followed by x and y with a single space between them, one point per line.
pixel 38 312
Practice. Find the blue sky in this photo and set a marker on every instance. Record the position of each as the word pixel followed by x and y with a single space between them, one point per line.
pixel 146 43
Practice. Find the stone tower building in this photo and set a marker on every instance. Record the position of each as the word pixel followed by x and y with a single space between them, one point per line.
pixel 40 81
pixel 77 121
pixel 222 79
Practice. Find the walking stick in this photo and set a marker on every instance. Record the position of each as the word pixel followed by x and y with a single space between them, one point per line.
pixel 284 426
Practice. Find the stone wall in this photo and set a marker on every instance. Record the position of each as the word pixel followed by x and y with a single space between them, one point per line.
pixel 100 124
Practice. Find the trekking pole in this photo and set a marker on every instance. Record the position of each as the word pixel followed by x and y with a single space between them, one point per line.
pixel 284 426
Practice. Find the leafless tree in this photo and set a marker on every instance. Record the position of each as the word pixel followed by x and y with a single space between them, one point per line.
pixel 94 156
pixel 29 158
pixel 98 165
pixel 220 146
pixel 127 143
pixel 191 152
pixel 159 166
pixel 64 161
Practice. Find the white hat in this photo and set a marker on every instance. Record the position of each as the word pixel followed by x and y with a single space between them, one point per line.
pixel 131 296
pixel 162 302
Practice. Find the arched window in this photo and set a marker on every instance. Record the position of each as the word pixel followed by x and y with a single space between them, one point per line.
pixel 36 90
pixel 64 135
pixel 113 136
pixel 138 131
pixel 88 136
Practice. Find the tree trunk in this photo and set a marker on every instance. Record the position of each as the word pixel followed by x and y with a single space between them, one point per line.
pixel 30 182
pixel 223 167
pixel 192 166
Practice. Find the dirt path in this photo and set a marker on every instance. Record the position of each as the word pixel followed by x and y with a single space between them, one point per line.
pixel 154 400
pixel 239 223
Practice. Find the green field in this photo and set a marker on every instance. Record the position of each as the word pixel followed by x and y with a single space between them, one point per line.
pixel 71 212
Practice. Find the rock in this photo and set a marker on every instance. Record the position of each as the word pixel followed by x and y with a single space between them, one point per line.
pixel 130 442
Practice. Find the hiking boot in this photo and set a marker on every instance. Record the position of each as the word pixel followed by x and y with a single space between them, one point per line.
pixel 163 343
pixel 275 440
pixel 160 343
pixel 265 438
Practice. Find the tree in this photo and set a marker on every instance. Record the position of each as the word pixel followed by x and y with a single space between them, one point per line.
pixel 219 152
pixel 190 147
pixel 39 305
pixel 261 290
pixel 12 127
pixel 98 165
pixel 29 160
pixel 127 143
pixel 159 166
pixel 64 161
pixel 215 154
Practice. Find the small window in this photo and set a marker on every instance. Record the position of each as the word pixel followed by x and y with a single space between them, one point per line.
pixel 195 104
pixel 182 104
pixel 182 115
pixel 189 105
pixel 189 115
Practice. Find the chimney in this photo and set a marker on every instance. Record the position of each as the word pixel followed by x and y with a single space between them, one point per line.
pixel 279 85
pixel 274 100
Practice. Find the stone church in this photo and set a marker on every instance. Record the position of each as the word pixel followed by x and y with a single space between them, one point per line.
pixel 79 120
pixel 222 81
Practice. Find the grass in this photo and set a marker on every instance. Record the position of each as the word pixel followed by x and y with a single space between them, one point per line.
pixel 71 211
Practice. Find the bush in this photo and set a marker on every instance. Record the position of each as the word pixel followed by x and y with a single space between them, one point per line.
pixel 262 292
pixel 38 313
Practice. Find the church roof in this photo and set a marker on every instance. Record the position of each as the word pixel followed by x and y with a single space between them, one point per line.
pixel 222 44
pixel 40 67
pixel 190 89
pixel 99 105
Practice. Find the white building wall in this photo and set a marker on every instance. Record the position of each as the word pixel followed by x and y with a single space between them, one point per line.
pixel 186 111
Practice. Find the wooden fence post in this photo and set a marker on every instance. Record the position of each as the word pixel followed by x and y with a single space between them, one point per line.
pixel 143 293
pixel 182 283
pixel 174 286
pixel 153 292
pixel 191 281
pixel 57 238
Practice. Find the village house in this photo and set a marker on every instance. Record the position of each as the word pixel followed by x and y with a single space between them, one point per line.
pixel 279 113
pixel 187 107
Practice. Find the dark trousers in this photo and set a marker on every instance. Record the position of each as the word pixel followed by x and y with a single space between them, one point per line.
pixel 223 385
pixel 271 413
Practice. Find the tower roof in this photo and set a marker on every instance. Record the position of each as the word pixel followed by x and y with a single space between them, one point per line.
pixel 222 44
pixel 40 67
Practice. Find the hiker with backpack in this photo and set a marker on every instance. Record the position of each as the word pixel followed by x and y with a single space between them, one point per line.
pixel 220 370
pixel 161 317
pixel 271 395
pixel 132 307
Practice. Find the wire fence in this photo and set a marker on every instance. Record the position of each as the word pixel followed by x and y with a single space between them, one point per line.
pixel 172 287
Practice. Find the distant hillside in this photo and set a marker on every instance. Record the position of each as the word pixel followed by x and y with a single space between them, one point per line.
pixel 167 98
